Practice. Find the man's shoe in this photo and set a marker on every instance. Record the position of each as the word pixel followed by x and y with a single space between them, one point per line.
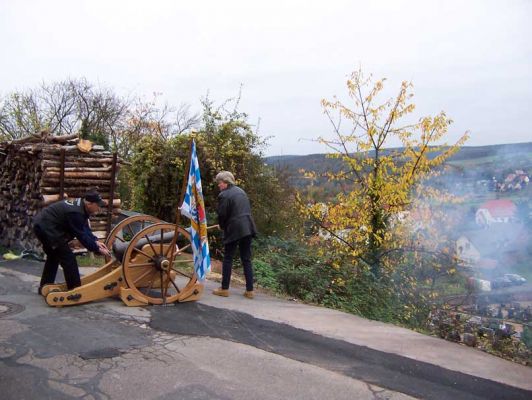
pixel 249 294
pixel 221 292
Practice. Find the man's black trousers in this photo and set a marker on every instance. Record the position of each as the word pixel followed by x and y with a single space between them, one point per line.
pixel 60 254
pixel 244 245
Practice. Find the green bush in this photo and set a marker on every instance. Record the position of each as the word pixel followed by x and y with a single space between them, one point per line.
pixel 526 336
pixel 264 275
pixel 295 269
pixel 289 267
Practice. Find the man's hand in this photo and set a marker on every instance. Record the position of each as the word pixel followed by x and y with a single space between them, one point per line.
pixel 103 250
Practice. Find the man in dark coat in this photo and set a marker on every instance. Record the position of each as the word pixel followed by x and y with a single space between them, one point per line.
pixel 234 218
pixel 58 224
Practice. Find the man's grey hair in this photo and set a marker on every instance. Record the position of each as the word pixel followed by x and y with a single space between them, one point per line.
pixel 226 176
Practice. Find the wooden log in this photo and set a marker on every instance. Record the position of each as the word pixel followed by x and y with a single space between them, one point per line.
pixel 54 149
pixel 99 227
pixel 100 234
pixel 74 190
pixel 44 137
pixel 63 139
pixel 78 163
pixel 46 155
pixel 47 174
pixel 75 195
pixel 79 169
pixel 26 139
pixel 52 198
pixel 31 149
pixel 72 181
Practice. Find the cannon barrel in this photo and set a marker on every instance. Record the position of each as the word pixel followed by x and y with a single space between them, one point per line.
pixel 119 248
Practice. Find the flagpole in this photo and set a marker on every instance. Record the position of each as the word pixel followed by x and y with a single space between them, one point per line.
pixel 185 182
pixel 179 204
pixel 182 197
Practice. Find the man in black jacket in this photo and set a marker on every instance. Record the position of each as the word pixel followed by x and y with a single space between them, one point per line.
pixel 58 224
pixel 234 218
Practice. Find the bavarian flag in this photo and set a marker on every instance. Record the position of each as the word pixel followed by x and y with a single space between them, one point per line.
pixel 193 207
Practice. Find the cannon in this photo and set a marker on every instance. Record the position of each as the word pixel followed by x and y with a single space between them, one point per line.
pixel 151 264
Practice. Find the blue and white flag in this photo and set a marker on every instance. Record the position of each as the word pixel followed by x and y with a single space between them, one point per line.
pixel 193 207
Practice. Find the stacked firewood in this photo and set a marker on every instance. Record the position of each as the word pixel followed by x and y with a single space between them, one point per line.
pixel 39 170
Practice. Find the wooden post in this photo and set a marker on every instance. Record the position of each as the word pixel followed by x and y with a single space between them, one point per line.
pixel 62 174
pixel 180 203
pixel 111 196
pixel 185 182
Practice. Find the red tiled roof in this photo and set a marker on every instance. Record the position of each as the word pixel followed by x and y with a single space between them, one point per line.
pixel 500 208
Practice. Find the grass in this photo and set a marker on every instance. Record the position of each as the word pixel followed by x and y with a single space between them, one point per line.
pixel 90 260
pixel 449 285
pixel 496 161
pixel 474 162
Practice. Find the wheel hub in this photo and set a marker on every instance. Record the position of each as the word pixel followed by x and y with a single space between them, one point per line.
pixel 162 263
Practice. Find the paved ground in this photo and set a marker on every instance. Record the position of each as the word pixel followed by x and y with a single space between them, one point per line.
pixel 228 348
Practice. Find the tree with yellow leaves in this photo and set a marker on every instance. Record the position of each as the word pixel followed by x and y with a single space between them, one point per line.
pixel 367 224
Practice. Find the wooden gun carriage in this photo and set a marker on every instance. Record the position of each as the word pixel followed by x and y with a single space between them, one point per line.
pixel 151 264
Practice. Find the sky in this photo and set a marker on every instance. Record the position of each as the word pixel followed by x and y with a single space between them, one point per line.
pixel 472 59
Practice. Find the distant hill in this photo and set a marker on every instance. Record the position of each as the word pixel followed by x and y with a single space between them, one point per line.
pixel 499 150
pixel 472 155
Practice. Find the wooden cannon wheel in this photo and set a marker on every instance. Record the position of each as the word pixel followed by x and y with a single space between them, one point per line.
pixel 126 229
pixel 156 270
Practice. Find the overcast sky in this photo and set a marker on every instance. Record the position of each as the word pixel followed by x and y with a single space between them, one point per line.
pixel 472 59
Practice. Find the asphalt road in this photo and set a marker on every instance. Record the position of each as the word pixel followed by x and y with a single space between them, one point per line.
pixel 401 374
pixel 105 350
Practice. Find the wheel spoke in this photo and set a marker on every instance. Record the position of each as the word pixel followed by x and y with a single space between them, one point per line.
pixel 130 230
pixel 149 264
pixel 143 253
pixel 163 288
pixel 167 254
pixel 173 283
pixel 142 276
pixel 166 286
pixel 151 284
pixel 185 247
pixel 151 244
pixel 119 238
pixel 182 273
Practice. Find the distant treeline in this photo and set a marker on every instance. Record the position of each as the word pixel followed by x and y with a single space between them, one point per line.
pixel 319 163
pixel 472 152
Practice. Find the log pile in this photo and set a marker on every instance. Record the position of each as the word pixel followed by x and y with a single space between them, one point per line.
pixel 39 170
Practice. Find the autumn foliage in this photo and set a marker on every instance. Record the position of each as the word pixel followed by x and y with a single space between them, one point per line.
pixel 377 226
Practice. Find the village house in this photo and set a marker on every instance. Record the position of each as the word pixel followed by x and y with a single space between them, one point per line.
pixel 515 181
pixel 495 211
